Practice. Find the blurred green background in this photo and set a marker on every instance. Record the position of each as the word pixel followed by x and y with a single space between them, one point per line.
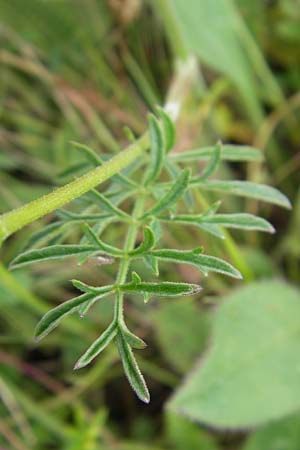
pixel 81 70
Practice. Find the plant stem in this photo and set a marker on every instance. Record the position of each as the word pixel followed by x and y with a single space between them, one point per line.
pixel 18 218
pixel 129 245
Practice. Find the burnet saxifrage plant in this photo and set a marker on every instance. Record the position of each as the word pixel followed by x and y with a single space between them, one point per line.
pixel 154 184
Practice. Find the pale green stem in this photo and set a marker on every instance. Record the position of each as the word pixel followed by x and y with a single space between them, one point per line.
pixel 18 218
pixel 129 245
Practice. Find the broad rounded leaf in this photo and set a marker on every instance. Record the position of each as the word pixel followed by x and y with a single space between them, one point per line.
pixel 251 373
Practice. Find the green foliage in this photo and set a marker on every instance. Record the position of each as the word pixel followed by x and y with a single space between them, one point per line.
pixel 181 329
pixel 184 434
pixel 145 216
pixel 223 42
pixel 283 435
pixel 71 75
pixel 255 340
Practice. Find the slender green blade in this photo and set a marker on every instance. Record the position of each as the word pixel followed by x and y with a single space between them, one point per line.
pixel 228 152
pixel 176 190
pixel 133 340
pixel 162 289
pixel 49 253
pixel 97 242
pixel 247 189
pixel 204 263
pixel 52 318
pixel 132 370
pixel 147 244
pixel 107 205
pixel 242 221
pixel 83 287
pixel 152 264
pixel 98 346
pixel 157 150
pixel 212 164
pixel 168 128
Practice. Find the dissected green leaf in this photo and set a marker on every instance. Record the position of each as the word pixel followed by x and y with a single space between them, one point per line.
pixel 250 375
pixel 168 128
pixel 212 164
pixel 241 221
pixel 96 161
pixel 91 289
pixel 175 170
pixel 162 289
pixel 247 189
pixel 49 253
pixel 157 150
pixel 107 205
pixel 132 370
pixel 133 340
pixel 229 152
pixel 214 230
pixel 74 217
pixel 152 264
pixel 147 244
pixel 90 154
pixel 97 346
pixel 96 241
pixel 174 193
pixel 204 263
pixel 52 318
pixel 44 234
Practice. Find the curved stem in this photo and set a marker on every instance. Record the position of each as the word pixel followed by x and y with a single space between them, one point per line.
pixel 18 218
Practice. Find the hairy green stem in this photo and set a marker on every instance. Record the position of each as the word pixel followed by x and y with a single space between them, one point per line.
pixel 129 245
pixel 18 218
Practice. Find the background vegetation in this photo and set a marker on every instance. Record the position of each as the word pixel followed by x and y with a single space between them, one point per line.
pixel 81 71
